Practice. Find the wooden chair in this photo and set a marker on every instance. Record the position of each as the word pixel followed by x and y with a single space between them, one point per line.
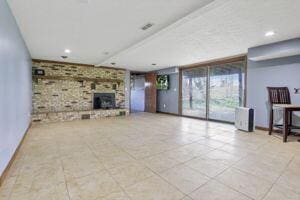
pixel 278 95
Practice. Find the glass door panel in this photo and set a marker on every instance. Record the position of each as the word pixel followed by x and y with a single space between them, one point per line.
pixel 194 83
pixel 226 90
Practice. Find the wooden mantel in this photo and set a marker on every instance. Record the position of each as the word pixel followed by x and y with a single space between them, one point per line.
pixel 72 78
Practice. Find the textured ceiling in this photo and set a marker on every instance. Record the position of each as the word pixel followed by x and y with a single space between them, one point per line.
pixel 185 32
pixel 89 28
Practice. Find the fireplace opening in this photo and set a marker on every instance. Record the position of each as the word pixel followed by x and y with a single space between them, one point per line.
pixel 104 101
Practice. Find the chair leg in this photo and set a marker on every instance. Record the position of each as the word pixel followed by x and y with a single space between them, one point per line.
pixel 290 122
pixel 271 122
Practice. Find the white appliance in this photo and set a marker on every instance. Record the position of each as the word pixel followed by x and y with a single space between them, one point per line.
pixel 244 119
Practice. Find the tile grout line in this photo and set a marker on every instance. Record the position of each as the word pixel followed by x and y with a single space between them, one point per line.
pixel 215 179
pixel 153 176
pixel 232 166
pixel 63 168
pixel 279 177
pixel 157 173
pixel 183 163
pixel 18 176
pixel 15 182
pixel 165 151
pixel 108 172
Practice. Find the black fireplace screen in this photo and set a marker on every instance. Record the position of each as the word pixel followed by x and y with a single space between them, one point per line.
pixel 104 100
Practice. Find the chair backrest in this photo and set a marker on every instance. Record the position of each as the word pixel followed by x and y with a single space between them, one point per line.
pixel 279 95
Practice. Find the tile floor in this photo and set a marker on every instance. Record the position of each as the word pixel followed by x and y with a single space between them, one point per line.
pixel 152 157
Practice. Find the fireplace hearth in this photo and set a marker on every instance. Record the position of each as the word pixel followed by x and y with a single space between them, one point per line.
pixel 104 101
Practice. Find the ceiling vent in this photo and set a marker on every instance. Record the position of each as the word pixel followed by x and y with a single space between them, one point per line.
pixel 147 26
pixel 83 1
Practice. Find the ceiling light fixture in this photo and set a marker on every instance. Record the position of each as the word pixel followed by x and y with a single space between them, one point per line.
pixel 153 64
pixel 67 51
pixel 113 63
pixel 269 33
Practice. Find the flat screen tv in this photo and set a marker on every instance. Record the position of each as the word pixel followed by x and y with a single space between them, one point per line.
pixel 162 82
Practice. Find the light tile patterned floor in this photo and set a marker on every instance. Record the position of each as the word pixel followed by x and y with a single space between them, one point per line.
pixel 152 157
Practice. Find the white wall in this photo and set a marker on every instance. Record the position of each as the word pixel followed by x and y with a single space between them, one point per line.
pixel 137 101
pixel 15 86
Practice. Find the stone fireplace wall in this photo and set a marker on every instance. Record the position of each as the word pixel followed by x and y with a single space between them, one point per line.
pixel 52 95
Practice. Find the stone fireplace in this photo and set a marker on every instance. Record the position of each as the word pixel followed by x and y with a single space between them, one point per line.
pixel 70 91
pixel 104 101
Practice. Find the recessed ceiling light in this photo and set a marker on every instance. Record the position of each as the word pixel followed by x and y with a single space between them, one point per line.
pixel 67 51
pixel 269 33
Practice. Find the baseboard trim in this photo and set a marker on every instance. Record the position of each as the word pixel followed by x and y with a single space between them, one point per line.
pixel 274 130
pixel 191 117
pixel 6 170
pixel 262 128
pixel 167 113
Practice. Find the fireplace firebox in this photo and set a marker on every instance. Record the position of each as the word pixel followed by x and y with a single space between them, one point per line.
pixel 104 101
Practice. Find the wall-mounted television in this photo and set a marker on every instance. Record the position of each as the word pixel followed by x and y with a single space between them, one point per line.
pixel 162 82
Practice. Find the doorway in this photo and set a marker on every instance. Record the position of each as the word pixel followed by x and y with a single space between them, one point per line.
pixel 137 96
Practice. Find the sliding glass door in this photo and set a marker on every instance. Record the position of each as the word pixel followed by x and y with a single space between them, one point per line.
pixel 213 92
pixel 194 92
pixel 226 90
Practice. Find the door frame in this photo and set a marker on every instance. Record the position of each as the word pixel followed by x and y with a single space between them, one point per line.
pixel 132 73
pixel 207 65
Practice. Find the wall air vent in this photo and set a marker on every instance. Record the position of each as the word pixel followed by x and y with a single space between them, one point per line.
pixel 147 26
pixel 85 116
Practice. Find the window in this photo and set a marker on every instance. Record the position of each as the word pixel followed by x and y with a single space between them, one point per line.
pixel 213 91
pixel 226 90
pixel 194 92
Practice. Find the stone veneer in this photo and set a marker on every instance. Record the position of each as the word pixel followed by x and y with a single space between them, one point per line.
pixel 65 92
pixel 77 115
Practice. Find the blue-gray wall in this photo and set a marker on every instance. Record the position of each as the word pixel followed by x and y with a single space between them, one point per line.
pixel 167 100
pixel 15 85
pixel 275 73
